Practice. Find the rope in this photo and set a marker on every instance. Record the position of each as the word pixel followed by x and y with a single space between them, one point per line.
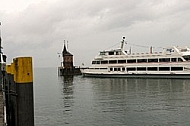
pixel 142 46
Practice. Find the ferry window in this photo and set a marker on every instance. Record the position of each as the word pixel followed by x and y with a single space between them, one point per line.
pixel 103 68
pixel 121 61
pixel 176 68
pixel 152 68
pixel 111 53
pixel 104 62
pixel 131 69
pixel 118 53
pixel 186 57
pixel 173 59
pixel 131 61
pixel 112 61
pixel 93 62
pixel 111 69
pixel 180 60
pixel 183 50
pixel 164 60
pixel 123 68
pixel 164 69
pixel 141 60
pixel 152 60
pixel 102 53
pixel 97 62
pixel 115 69
pixel 141 68
pixel 119 69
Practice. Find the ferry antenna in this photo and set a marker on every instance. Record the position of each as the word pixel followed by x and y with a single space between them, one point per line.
pixel 63 44
pixel 67 45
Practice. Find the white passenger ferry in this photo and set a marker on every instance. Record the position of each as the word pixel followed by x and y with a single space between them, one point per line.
pixel 173 62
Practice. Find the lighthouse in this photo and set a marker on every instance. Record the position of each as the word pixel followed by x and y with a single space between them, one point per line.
pixel 67 67
pixel 67 58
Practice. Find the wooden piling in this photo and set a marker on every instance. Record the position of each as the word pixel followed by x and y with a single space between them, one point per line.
pixel 23 77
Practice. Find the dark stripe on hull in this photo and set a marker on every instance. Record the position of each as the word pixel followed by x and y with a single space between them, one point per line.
pixel 158 76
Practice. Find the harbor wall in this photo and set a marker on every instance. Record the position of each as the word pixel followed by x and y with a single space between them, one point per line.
pixel 69 71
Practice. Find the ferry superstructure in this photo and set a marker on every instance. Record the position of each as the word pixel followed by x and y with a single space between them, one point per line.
pixel 172 62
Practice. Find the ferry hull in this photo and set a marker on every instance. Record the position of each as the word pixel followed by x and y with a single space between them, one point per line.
pixel 156 76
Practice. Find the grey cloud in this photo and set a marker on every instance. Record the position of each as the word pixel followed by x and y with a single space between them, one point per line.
pixel 40 29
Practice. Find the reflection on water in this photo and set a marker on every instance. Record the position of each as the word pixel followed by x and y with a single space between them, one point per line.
pixel 141 87
pixel 67 96
pixel 78 101
pixel 153 100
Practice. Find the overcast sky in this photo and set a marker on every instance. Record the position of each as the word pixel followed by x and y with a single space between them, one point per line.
pixel 38 28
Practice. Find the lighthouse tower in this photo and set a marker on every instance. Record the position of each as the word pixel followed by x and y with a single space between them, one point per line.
pixel 67 58
pixel 67 67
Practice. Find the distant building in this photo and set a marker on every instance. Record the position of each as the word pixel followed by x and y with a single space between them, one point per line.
pixel 67 58
pixel 67 67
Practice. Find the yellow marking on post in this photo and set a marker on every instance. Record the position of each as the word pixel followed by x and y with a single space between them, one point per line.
pixel 23 71
pixel 12 68
pixel 8 69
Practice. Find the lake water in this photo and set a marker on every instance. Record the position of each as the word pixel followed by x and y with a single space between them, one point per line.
pixel 79 101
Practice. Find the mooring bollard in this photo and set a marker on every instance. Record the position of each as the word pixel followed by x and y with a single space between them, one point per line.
pixel 23 77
